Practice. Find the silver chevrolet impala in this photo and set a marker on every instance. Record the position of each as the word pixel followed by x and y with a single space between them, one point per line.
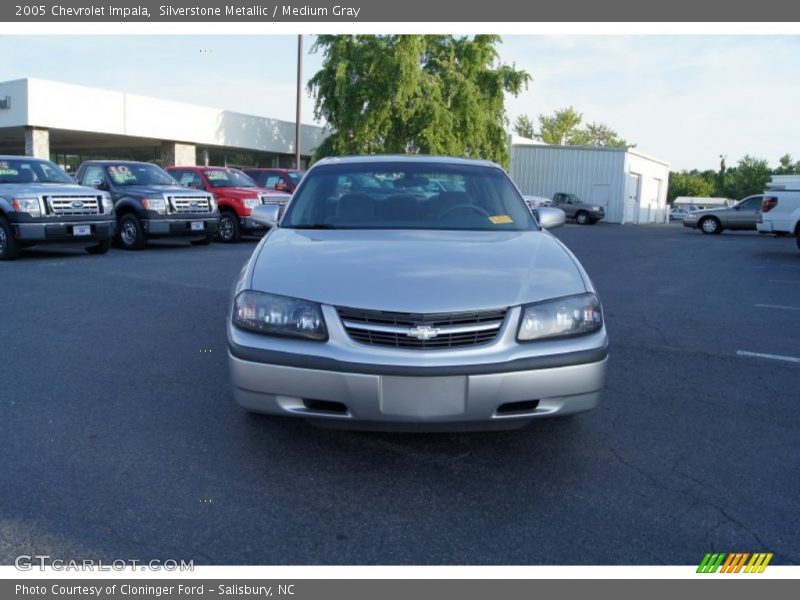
pixel 379 301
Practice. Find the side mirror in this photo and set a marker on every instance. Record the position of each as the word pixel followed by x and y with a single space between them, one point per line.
pixel 98 184
pixel 550 218
pixel 197 186
pixel 266 215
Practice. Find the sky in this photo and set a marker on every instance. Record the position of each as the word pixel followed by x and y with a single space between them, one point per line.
pixel 685 99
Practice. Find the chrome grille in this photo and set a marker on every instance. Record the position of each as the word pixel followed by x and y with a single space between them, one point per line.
pixel 267 200
pixel 73 205
pixel 189 204
pixel 452 330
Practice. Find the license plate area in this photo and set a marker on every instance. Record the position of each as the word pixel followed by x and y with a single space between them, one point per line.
pixel 78 230
pixel 197 226
pixel 423 396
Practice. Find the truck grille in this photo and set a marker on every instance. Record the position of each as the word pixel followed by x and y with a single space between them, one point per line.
pixel 422 331
pixel 190 204
pixel 267 200
pixel 73 206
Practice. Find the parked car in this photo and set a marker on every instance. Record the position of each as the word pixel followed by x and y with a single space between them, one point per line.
pixel 741 216
pixel 537 201
pixel 780 207
pixel 454 310
pixel 577 209
pixel 40 204
pixel 280 180
pixel 149 203
pixel 236 195
pixel 678 213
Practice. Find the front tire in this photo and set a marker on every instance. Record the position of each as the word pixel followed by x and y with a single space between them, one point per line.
pixel 131 232
pixel 582 218
pixel 9 247
pixel 711 226
pixel 99 248
pixel 229 230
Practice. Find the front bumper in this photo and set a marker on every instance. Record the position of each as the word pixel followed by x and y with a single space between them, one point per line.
pixel 348 382
pixel 171 227
pixel 64 231
pixel 251 226
pixel 292 391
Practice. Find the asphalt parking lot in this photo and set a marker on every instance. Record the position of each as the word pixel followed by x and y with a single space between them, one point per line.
pixel 120 438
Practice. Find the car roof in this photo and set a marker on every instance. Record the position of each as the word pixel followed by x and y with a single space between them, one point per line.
pixel 117 162
pixel 21 157
pixel 409 158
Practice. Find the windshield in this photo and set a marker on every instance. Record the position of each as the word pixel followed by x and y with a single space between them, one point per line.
pixel 398 195
pixel 31 171
pixel 220 178
pixel 139 174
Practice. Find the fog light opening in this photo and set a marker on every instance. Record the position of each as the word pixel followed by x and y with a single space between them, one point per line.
pixel 517 407
pixel 325 406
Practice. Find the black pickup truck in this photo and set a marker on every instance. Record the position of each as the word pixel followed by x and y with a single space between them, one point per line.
pixel 149 203
pixel 40 203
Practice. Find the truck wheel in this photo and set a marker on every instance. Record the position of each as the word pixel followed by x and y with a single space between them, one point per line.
pixel 99 248
pixel 204 241
pixel 229 230
pixel 131 233
pixel 582 217
pixel 710 225
pixel 9 247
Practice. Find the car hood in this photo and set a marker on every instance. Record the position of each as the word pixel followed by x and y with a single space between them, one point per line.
pixel 238 192
pixel 416 271
pixel 158 190
pixel 17 189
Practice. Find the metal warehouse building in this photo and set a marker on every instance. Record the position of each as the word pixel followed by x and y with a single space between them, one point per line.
pixel 70 123
pixel 632 187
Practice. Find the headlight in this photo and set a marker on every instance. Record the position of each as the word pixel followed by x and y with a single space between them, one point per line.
pixel 108 206
pixel 212 203
pixel 571 315
pixel 251 202
pixel 155 204
pixel 279 315
pixel 27 205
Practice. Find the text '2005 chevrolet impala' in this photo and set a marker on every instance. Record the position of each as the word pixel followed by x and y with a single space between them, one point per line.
pixel 383 301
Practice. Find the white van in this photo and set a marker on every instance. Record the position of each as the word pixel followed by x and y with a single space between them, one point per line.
pixel 780 208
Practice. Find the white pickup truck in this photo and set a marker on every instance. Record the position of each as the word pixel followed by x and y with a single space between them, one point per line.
pixel 780 207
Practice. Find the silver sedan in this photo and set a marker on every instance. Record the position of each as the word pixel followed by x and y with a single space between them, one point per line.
pixel 742 215
pixel 372 304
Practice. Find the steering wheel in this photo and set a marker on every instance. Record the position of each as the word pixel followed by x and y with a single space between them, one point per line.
pixel 472 207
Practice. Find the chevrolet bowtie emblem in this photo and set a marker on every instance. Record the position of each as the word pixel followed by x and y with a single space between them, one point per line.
pixel 423 332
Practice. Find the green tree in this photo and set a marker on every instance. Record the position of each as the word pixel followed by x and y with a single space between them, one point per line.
pixel 787 166
pixel 562 127
pixel 691 183
pixel 430 94
pixel 600 134
pixel 749 176
pixel 523 126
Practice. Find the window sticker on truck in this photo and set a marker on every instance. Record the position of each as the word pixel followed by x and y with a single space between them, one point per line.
pixel 121 174
pixel 6 171
pixel 216 175
pixel 501 219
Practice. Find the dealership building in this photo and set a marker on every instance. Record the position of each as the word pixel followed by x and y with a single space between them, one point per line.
pixel 70 123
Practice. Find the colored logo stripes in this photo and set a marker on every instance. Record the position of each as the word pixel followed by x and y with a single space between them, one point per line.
pixel 735 562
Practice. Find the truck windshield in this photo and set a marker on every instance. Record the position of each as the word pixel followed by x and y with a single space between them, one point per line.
pixel 220 178
pixel 31 171
pixel 397 195
pixel 139 174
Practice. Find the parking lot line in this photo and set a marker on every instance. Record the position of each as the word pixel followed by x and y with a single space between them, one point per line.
pixel 792 359
pixel 780 306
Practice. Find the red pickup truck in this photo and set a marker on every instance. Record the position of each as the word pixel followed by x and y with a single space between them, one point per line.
pixel 236 195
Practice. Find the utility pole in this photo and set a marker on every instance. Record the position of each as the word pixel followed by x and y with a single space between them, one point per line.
pixel 299 97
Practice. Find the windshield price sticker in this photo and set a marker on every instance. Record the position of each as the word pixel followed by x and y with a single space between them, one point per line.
pixel 501 219
pixel 121 174
pixel 216 175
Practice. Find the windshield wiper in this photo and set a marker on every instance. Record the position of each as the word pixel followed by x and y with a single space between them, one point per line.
pixel 314 226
